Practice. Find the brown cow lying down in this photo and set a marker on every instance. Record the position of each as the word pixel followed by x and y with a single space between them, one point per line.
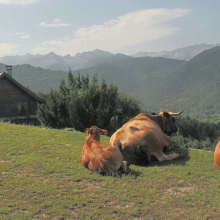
pixel 217 155
pixel 98 157
pixel 144 136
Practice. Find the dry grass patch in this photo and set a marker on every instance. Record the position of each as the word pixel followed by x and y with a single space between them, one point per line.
pixel 180 191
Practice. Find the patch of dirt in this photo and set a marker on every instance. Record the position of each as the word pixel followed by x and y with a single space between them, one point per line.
pixel 173 193
pixel 91 185
pixel 180 191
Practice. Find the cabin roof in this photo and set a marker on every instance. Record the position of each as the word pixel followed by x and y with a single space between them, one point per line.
pixel 4 74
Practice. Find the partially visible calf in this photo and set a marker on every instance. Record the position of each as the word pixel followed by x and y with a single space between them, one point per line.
pixel 217 155
pixel 98 157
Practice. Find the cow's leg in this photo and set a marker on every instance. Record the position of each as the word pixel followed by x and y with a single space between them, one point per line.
pixel 168 147
pixel 163 157
pixel 168 143
pixel 124 166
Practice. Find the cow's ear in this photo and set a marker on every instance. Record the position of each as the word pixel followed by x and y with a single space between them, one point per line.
pixel 166 115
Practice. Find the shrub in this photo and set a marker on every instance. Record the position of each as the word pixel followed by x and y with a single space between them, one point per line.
pixel 82 104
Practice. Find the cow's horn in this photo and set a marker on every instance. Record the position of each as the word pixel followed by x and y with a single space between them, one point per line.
pixel 174 114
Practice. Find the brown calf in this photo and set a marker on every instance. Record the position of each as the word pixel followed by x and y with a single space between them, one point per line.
pixel 98 157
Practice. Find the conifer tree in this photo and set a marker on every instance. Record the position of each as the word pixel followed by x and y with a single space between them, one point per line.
pixel 82 104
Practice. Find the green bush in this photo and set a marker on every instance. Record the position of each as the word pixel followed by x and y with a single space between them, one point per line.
pixel 81 104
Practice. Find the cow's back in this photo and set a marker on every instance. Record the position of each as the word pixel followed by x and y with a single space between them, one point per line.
pixel 134 131
pixel 217 155
pixel 131 137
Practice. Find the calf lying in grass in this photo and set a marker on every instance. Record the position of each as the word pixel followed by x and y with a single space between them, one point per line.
pixel 97 157
pixel 217 155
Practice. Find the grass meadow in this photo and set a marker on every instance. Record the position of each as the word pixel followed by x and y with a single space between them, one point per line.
pixel 41 177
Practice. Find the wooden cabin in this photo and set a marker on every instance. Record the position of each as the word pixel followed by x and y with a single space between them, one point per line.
pixel 17 104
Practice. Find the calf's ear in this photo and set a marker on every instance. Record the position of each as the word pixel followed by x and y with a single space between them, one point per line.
pixel 103 132
pixel 87 130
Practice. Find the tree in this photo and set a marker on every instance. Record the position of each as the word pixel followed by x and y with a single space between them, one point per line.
pixel 71 80
pixel 126 107
pixel 82 104
pixel 54 113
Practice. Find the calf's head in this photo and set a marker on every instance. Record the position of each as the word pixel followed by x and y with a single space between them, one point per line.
pixel 169 125
pixel 95 132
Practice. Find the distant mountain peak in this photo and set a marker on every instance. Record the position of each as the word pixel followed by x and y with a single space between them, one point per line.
pixel 120 55
pixel 51 53
pixel 68 56
pixel 96 51
pixel 185 53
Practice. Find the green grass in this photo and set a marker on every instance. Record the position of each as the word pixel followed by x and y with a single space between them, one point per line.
pixel 41 177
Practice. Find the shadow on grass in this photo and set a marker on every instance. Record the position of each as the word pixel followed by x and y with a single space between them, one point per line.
pixel 130 172
pixel 120 173
pixel 180 161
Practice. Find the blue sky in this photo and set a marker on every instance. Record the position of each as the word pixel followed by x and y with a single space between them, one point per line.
pixel 118 26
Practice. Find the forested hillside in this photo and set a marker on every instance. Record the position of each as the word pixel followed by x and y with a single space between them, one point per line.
pixel 195 87
pixel 131 74
pixel 36 78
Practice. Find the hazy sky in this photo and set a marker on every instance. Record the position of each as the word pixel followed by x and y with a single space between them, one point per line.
pixel 118 26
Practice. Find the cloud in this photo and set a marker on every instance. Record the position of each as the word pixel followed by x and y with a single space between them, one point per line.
pixel 25 36
pixel 7 49
pixel 48 46
pixel 56 23
pixel 18 2
pixel 22 35
pixel 19 33
pixel 128 30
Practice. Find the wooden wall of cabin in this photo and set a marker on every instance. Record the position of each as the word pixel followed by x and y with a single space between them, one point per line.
pixel 13 100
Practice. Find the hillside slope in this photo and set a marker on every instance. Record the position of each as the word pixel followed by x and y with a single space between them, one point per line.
pixel 36 78
pixel 41 177
pixel 195 87
pixel 131 74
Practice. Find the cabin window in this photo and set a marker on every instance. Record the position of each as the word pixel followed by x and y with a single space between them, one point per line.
pixel 23 108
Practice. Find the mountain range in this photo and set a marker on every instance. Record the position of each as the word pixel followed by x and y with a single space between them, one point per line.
pixel 186 53
pixel 158 82
pixel 56 62
pixel 53 61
